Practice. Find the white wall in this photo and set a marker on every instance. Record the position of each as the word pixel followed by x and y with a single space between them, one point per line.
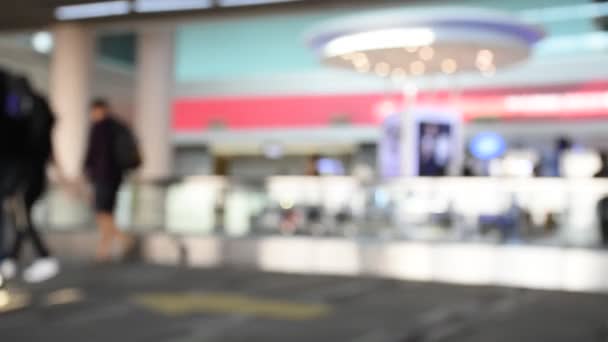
pixel 537 72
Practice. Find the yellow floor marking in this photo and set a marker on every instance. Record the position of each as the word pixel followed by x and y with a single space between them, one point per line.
pixel 65 296
pixel 13 300
pixel 177 304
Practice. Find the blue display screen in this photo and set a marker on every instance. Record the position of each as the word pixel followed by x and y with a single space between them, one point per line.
pixel 487 146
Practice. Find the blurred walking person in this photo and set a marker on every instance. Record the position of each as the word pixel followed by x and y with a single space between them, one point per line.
pixel 9 155
pixel 111 152
pixel 30 183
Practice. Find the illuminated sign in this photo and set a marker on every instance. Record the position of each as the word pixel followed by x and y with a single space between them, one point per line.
pixel 487 146
pixel 371 109
pixel 543 103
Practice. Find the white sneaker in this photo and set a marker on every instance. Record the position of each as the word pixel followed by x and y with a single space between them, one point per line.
pixel 41 270
pixel 8 268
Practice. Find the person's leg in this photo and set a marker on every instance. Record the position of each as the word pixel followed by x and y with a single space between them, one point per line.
pixel 2 232
pixel 31 231
pixel 9 180
pixel 20 227
pixel 110 233
pixel 34 191
pixel 102 214
pixel 37 242
pixel 45 267
pixel 9 264
pixel 122 237
pixel 125 240
pixel 15 250
pixel 106 230
pixel 2 255
pixel 105 197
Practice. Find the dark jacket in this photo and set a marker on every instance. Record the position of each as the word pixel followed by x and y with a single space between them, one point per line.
pixel 100 161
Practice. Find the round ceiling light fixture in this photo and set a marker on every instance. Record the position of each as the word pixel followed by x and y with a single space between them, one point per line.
pixel 379 39
pixel 421 41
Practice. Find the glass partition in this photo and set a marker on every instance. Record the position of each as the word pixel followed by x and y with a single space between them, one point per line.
pixel 552 211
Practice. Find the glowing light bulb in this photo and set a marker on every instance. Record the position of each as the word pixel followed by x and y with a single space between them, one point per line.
pixel 426 53
pixel 417 68
pixel 382 69
pixel 485 60
pixel 449 66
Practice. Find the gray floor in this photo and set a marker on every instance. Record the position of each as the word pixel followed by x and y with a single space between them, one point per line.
pixel 102 304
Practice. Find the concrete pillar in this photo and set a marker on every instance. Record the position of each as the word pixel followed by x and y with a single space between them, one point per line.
pixel 153 95
pixel 70 83
pixel 409 150
pixel 154 92
pixel 69 94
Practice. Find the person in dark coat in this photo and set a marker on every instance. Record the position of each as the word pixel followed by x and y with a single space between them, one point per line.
pixel 30 183
pixel 106 176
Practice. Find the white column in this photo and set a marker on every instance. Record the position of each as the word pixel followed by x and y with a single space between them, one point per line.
pixel 409 150
pixel 69 93
pixel 153 95
pixel 154 92
pixel 70 83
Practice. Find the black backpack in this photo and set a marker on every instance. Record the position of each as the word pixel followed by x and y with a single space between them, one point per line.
pixel 126 149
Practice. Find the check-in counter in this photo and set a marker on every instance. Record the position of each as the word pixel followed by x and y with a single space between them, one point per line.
pixel 572 201
pixel 332 194
pixel 191 205
pixel 443 208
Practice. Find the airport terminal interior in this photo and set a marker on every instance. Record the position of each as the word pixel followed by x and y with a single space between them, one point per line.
pixel 328 170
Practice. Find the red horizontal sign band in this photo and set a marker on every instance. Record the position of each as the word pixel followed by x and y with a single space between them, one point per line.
pixel 588 100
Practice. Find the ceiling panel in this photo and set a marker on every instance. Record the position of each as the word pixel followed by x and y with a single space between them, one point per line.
pixel 33 14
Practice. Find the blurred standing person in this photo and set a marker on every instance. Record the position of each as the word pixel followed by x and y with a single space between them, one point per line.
pixel 562 145
pixel 105 170
pixel 603 171
pixel 602 206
